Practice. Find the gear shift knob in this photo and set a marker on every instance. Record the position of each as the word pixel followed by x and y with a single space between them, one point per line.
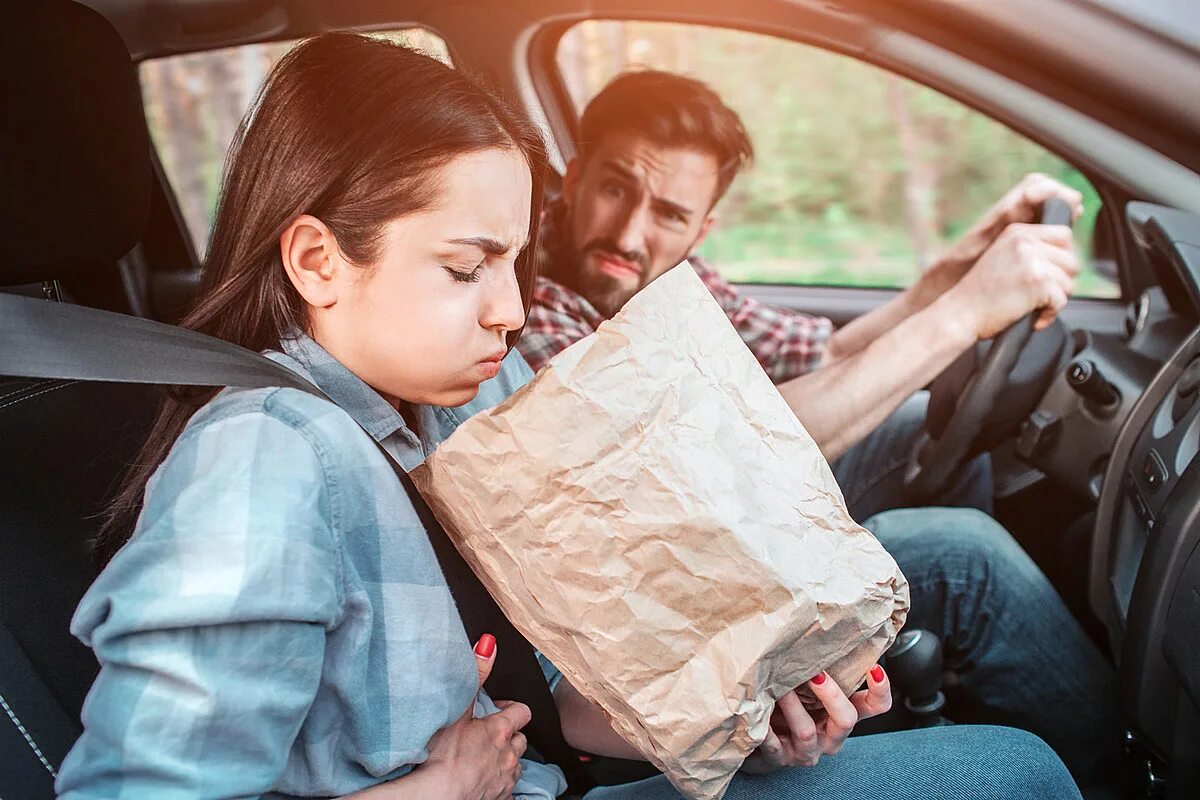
pixel 914 662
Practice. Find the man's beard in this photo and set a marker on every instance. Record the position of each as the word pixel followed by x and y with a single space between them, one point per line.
pixel 606 293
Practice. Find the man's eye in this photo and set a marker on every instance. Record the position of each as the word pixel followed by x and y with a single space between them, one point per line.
pixel 466 276
pixel 613 188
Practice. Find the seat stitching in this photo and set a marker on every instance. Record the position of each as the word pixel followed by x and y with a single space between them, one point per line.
pixel 24 389
pixel 36 394
pixel 36 750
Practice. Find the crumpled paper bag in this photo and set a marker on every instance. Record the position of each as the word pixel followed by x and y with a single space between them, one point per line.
pixel 652 516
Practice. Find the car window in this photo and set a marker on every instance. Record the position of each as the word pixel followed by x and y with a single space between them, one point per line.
pixel 195 102
pixel 860 176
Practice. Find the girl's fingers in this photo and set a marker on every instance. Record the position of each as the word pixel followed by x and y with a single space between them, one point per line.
pixel 876 699
pixel 842 713
pixel 485 656
pixel 802 739
pixel 771 750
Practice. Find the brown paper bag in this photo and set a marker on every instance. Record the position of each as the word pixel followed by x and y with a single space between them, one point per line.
pixel 651 515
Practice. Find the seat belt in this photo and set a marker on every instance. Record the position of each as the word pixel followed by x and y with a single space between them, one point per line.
pixel 51 340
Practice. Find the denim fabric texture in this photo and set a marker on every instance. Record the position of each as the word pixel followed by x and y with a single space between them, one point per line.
pixel 962 762
pixel 871 473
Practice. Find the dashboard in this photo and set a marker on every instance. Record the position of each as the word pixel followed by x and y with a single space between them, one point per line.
pixel 1121 425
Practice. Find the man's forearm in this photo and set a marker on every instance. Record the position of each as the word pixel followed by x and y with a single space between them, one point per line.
pixel 585 727
pixel 854 337
pixel 841 403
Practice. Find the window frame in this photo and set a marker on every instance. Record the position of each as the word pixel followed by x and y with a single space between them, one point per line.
pixel 173 208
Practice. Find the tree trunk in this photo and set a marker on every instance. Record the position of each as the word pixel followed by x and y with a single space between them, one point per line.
pixel 919 179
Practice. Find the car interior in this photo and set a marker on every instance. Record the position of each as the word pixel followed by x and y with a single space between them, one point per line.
pixel 1093 423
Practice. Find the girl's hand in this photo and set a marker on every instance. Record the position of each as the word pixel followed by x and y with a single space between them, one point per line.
pixel 479 758
pixel 797 738
pixel 473 759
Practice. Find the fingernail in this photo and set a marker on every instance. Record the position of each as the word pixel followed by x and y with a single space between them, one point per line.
pixel 819 679
pixel 486 646
pixel 877 673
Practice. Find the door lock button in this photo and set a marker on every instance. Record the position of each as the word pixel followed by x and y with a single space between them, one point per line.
pixel 1154 472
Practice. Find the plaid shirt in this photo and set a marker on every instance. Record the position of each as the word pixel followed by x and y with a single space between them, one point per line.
pixel 278 625
pixel 786 343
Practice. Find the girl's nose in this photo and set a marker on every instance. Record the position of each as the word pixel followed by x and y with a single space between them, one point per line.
pixel 503 309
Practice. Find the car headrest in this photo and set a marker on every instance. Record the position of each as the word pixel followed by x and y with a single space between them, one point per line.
pixel 77 176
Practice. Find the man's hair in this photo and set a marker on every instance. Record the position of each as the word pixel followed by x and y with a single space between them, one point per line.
pixel 670 110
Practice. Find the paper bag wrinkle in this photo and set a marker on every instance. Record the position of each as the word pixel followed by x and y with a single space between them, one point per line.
pixel 652 516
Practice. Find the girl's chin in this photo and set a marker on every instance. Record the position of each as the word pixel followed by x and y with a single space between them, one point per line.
pixel 457 396
pixel 451 394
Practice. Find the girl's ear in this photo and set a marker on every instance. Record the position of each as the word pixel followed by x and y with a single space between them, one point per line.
pixel 311 260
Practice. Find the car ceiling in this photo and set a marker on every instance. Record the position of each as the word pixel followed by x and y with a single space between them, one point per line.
pixel 1034 64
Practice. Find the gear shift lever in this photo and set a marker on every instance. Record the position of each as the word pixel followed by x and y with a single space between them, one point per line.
pixel 914 662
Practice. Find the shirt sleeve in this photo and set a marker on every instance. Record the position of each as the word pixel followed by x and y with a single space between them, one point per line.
pixel 786 343
pixel 552 674
pixel 209 624
pixel 548 331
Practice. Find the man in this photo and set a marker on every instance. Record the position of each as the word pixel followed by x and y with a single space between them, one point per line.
pixel 658 151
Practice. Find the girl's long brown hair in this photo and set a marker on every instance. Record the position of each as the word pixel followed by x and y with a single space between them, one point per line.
pixel 353 131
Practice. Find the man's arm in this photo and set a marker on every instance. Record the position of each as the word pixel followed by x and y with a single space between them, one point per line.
pixel 853 337
pixel 1029 267
pixel 848 398
pixel 586 728
pixel 1021 204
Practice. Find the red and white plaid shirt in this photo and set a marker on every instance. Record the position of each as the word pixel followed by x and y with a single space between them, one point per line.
pixel 786 343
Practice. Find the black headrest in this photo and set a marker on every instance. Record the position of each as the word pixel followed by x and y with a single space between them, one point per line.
pixel 77 172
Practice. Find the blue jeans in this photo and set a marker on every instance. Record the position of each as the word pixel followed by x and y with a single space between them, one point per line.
pixel 871 473
pixel 1013 653
pixel 962 762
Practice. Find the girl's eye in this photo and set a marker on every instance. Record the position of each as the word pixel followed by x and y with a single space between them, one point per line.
pixel 471 276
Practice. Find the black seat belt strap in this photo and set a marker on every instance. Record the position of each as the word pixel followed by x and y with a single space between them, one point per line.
pixel 46 339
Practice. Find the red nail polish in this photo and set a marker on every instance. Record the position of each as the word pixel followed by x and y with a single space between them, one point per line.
pixel 819 679
pixel 486 646
pixel 877 673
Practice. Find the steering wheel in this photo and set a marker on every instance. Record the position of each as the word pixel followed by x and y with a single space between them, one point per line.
pixel 942 451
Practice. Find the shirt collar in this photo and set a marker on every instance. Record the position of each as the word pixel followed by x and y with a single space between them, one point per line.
pixel 365 405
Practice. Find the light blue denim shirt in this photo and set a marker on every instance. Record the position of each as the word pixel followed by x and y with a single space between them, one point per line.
pixel 278 624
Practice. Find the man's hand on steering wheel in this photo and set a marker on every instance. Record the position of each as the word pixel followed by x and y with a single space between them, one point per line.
pixel 1020 205
pixel 1028 268
pixel 1018 286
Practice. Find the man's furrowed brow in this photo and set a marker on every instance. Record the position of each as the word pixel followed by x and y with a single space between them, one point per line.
pixel 624 172
pixel 669 205
pixel 493 247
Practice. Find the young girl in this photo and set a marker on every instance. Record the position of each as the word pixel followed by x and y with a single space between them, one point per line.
pixel 278 624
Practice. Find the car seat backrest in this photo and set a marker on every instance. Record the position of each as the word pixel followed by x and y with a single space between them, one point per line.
pixel 77 165
pixel 76 197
